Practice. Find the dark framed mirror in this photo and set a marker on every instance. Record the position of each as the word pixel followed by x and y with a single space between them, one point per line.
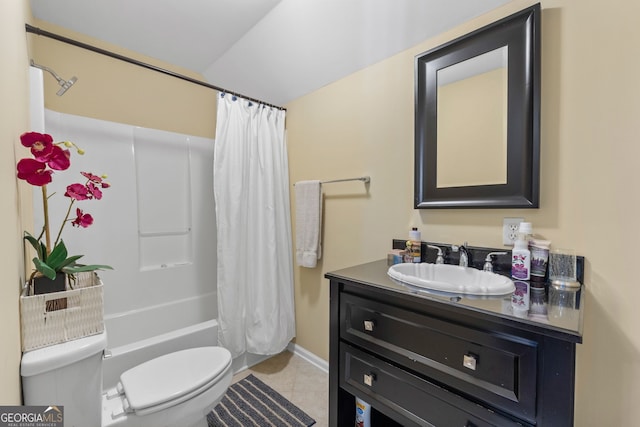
pixel 477 118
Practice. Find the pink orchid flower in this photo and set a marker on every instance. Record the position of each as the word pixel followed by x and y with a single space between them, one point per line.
pixel 77 192
pixel 59 159
pixel 34 172
pixel 94 191
pixel 82 219
pixel 91 177
pixel 41 144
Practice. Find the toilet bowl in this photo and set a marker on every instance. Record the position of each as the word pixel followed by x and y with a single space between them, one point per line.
pixel 177 389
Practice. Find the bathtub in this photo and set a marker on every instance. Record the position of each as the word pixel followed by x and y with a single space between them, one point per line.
pixel 137 336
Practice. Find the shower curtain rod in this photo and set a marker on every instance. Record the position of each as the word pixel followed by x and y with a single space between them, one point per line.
pixel 45 33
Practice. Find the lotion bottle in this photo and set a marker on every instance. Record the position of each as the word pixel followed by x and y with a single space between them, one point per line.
pixel 520 255
pixel 415 241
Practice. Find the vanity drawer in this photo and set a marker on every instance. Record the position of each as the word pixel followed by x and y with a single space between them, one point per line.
pixel 497 369
pixel 417 400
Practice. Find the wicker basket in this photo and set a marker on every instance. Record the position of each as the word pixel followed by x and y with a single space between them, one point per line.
pixel 57 317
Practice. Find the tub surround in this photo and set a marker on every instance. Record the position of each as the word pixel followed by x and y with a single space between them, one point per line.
pixel 165 267
pixel 419 356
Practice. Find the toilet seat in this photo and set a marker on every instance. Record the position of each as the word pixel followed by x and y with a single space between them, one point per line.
pixel 172 379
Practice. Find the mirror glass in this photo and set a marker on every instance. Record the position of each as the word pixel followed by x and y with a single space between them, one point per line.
pixel 477 118
pixel 472 121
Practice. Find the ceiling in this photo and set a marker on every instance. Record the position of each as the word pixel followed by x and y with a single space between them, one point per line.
pixel 273 50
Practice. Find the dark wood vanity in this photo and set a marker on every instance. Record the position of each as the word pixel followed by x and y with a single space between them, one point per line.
pixel 427 359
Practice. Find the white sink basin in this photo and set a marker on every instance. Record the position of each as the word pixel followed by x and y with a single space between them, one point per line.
pixel 451 278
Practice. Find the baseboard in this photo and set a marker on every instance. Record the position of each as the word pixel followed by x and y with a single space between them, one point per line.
pixel 246 361
pixel 302 352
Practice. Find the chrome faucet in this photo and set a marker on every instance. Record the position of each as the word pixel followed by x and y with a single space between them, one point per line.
pixel 439 258
pixel 488 264
pixel 464 254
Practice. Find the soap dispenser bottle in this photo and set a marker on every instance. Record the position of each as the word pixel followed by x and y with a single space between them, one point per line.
pixel 520 255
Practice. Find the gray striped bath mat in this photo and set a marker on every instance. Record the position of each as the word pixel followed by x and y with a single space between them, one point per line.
pixel 250 402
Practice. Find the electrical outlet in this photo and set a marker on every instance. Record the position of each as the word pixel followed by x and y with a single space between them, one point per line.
pixel 510 230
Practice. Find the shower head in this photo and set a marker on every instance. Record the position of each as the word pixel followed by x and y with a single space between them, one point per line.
pixel 66 84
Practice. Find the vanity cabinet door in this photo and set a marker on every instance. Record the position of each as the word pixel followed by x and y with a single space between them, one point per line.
pixel 496 368
pixel 418 401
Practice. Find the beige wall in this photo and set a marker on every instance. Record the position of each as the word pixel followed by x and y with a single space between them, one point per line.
pixel 110 89
pixel 363 124
pixel 14 119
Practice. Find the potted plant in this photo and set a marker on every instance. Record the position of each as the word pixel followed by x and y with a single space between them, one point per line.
pixel 52 262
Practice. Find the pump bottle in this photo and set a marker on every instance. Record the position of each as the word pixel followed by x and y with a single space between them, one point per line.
pixel 520 255
pixel 415 243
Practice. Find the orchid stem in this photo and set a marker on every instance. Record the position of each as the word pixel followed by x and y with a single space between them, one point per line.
pixel 64 222
pixel 45 208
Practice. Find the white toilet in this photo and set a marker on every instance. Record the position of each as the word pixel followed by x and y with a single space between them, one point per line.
pixel 177 389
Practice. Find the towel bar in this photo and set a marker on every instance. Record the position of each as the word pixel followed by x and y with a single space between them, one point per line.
pixel 364 179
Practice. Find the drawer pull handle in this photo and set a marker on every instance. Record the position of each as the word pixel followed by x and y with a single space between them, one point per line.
pixel 470 361
pixel 368 325
pixel 369 379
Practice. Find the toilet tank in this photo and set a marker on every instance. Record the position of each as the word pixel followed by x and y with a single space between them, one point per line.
pixel 68 375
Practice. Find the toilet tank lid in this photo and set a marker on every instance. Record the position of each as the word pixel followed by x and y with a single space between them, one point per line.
pixel 56 356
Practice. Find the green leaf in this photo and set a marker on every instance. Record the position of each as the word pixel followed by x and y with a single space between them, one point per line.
pixel 35 243
pixel 43 268
pixel 68 261
pixel 57 256
pixel 80 268
pixel 43 252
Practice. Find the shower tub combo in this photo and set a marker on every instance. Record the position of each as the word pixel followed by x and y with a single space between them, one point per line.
pixel 155 226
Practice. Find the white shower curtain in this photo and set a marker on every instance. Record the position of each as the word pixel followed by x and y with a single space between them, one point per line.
pixel 251 187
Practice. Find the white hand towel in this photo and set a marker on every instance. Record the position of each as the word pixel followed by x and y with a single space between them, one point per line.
pixel 308 223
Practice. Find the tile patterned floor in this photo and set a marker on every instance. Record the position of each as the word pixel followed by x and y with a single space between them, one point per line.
pixel 304 384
